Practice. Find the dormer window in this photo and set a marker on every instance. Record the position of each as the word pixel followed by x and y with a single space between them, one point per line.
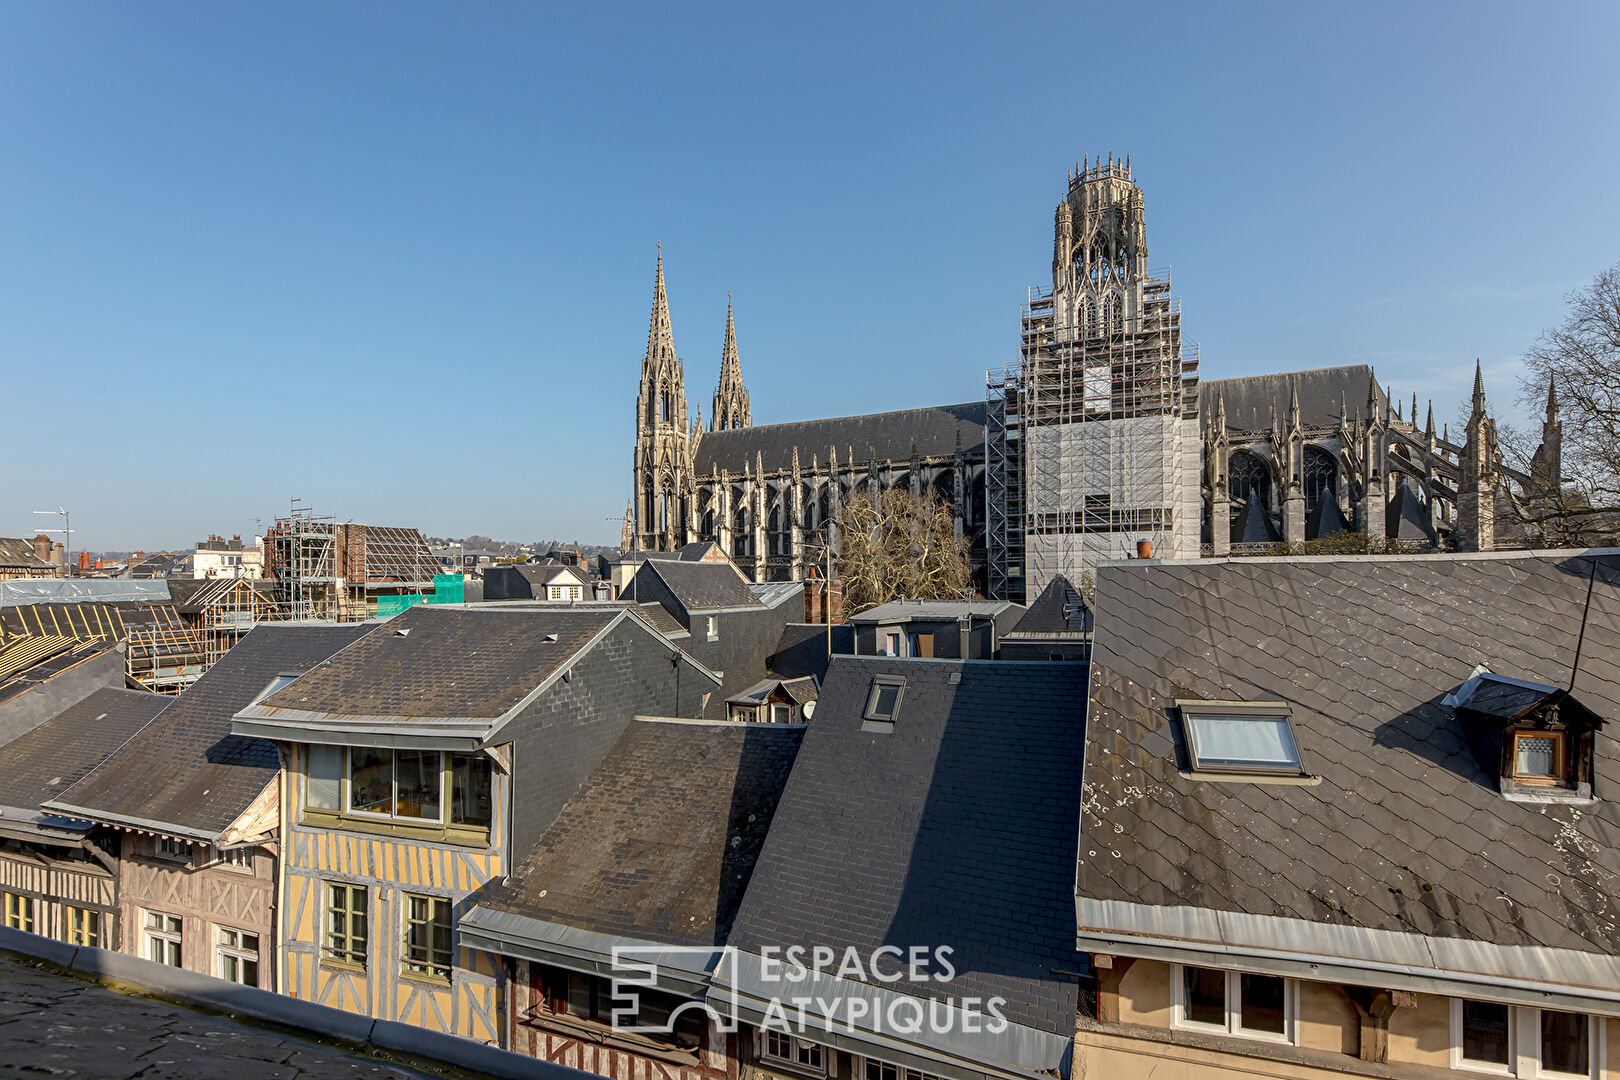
pixel 1534 737
pixel 1240 737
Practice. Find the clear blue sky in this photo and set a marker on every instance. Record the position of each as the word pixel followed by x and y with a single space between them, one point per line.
pixel 397 258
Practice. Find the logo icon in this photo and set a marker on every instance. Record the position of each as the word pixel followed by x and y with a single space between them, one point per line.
pixel 636 968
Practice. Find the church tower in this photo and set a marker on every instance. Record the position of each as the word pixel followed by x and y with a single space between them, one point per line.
pixel 731 396
pixel 663 495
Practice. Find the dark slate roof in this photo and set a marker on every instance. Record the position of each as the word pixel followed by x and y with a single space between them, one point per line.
pixel 659 843
pixel 704 586
pixel 695 551
pixel 1059 609
pixel 1406 831
pixel 19 551
pixel 51 758
pixel 880 436
pixel 21 680
pixel 905 610
pixel 1322 392
pixel 431 662
pixel 662 620
pixel 185 768
pixel 919 836
pixel 803 649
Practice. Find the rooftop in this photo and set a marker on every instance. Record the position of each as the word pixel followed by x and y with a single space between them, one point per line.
pixel 901 610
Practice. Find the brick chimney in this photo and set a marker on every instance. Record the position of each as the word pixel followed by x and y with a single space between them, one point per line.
pixel 42 548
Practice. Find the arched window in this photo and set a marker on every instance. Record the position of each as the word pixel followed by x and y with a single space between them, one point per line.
pixel 1321 476
pixel 742 536
pixel 1248 478
pixel 1116 318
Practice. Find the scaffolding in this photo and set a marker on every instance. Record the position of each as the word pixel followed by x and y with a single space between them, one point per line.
pixel 337 571
pixel 1089 443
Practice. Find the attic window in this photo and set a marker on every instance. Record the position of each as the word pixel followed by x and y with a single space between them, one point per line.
pixel 1241 737
pixel 883 703
pixel 1535 738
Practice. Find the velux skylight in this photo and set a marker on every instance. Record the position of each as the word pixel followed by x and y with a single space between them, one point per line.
pixel 1240 737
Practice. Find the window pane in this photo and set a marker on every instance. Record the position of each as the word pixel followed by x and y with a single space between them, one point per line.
pixel 1243 740
pixel 1563 1042
pixel 1262 1004
pixel 1536 755
pixel 579 995
pixel 250 972
pixel 325 778
pixel 469 792
pixel 884 699
pixel 1206 995
pixel 417 774
pixel 1485 1032
pixel 371 780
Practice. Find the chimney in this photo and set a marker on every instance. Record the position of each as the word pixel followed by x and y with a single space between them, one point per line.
pixel 42 547
pixel 84 560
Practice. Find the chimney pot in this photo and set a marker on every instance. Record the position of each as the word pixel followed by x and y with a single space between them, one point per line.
pixel 1144 549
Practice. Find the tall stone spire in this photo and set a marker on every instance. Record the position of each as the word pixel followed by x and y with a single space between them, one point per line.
pixel 1476 475
pixel 731 396
pixel 663 458
pixel 660 337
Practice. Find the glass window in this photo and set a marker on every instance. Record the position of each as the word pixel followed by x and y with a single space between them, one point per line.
pixel 1564 1043
pixel 1538 756
pixel 20 912
pixel 1263 743
pixel 416 781
pixel 427 936
pixel 884 701
pixel 1262 999
pixel 1485 1032
pixel 469 789
pixel 84 927
pixel 880 1070
pixel 163 938
pixel 323 788
pixel 238 954
pixel 371 780
pixel 781 714
pixel 169 848
pixel 345 923
pixel 1205 1000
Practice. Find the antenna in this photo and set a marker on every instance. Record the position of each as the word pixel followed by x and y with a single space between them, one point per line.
pixel 67 539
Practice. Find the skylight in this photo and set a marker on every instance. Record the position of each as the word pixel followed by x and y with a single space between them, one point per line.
pixel 1241 736
pixel 883 702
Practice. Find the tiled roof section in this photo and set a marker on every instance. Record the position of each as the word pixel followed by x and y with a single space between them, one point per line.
pixel 19 551
pixel 185 768
pixel 878 436
pixel 703 586
pixel 1324 393
pixel 53 756
pixel 1406 831
pixel 1060 609
pixel 697 550
pixel 661 841
pixel 429 663
pixel 89 619
pixel 957 828
pixel 662 620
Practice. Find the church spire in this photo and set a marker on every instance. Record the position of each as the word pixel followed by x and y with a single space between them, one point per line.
pixel 731 396
pixel 660 338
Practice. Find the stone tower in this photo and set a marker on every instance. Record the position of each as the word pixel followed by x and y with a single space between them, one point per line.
pixel 1099 252
pixel 1476 470
pixel 731 396
pixel 664 489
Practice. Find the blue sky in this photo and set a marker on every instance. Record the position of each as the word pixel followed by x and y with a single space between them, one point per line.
pixel 397 259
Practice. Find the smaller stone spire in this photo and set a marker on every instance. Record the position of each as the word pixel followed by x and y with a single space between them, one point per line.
pixel 731 396
pixel 1552 400
pixel 1479 389
pixel 1428 426
pixel 1293 405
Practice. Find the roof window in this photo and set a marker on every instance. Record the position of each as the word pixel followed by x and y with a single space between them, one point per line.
pixel 883 703
pixel 1240 737
pixel 1535 738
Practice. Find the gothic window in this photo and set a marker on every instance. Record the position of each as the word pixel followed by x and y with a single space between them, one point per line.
pixel 1116 320
pixel 742 536
pixel 1248 477
pixel 775 529
pixel 1321 475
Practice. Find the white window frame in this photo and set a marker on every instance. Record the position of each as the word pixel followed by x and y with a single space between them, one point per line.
pixel 786 713
pixel 714 628
pixel 901 1072
pixel 177 938
pixel 240 953
pixel 795 1044
pixel 1234 1007
pixel 1524 1045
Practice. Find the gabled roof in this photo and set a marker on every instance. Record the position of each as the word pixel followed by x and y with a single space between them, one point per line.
pixel 1403 852
pixel 933 431
pixel 663 621
pixel 660 842
pixel 777 593
pixel 702 587
pixel 903 610
pixel 917 837
pixel 1059 609
pixel 51 758
pixel 1324 394
pixel 800 690
pixel 19 552
pixel 450 675
pixel 185 773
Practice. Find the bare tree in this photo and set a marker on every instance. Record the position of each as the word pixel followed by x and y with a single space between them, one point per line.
pixel 1579 362
pixel 900 545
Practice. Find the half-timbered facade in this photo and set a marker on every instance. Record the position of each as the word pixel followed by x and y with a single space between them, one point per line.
pixel 403 756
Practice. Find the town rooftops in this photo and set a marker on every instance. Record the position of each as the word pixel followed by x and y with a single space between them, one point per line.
pixel 701 586
pixel 656 847
pixel 185 774
pixel 1392 856
pixel 952 826
pixel 440 676
pixel 896 611
pixel 937 431
pixel 45 762
pixel 17 552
